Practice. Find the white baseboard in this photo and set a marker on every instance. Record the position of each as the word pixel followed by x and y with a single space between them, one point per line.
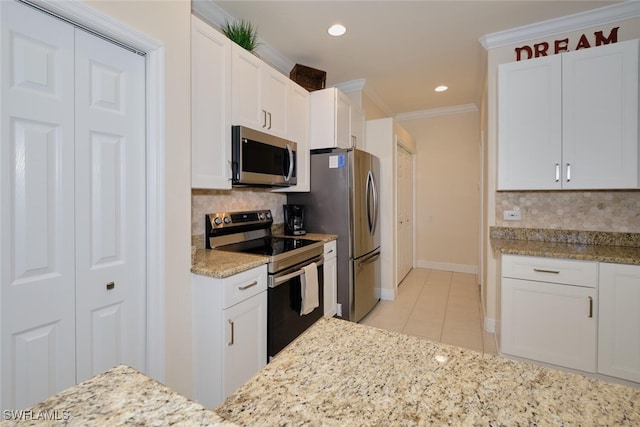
pixel 458 268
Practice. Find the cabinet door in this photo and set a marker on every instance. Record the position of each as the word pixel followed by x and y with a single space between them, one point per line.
pixel 357 128
pixel 245 343
pixel 619 321
pixel 529 124
pixel 600 117
pixel 274 100
pixel 549 323
pixel 210 107
pixel 404 200
pixel 298 109
pixel 246 107
pixel 343 120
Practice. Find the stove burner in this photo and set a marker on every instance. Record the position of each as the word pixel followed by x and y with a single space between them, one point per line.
pixel 268 246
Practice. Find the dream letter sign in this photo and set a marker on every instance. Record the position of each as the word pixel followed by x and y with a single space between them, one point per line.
pixel 562 45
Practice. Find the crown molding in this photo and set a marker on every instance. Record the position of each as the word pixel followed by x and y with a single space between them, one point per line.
pixel 217 17
pixel 375 98
pixel 351 85
pixel 579 21
pixel 436 112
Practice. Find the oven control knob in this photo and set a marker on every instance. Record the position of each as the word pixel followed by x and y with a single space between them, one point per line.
pixel 261 216
pixel 217 221
pixel 268 215
pixel 227 220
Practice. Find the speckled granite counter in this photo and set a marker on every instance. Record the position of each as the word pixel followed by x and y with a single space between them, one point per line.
pixel 341 373
pixel 221 264
pixel 118 397
pixel 619 248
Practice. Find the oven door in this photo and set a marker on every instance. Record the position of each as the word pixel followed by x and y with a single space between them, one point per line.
pixel 284 298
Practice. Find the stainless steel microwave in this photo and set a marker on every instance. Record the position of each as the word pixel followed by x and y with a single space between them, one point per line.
pixel 261 159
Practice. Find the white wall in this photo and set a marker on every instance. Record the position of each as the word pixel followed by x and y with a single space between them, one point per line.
pixel 170 23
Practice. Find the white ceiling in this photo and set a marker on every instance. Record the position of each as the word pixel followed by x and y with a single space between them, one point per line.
pixel 403 49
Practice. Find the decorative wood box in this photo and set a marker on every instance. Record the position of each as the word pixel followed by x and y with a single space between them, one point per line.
pixel 309 78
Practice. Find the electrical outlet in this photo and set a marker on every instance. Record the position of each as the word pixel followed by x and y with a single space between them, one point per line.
pixel 339 310
pixel 512 215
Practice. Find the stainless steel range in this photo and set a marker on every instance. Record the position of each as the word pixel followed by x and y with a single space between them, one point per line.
pixel 250 232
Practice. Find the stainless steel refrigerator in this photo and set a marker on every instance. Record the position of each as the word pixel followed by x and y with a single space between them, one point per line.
pixel 344 200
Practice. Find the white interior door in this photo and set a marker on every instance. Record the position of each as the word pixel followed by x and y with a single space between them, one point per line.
pixel 72 206
pixel 404 200
pixel 110 206
pixel 36 199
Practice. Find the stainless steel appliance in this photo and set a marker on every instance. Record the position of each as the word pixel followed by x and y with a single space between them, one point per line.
pixel 294 220
pixel 344 200
pixel 258 158
pixel 250 232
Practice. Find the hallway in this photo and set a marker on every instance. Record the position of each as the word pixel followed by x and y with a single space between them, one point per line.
pixel 441 306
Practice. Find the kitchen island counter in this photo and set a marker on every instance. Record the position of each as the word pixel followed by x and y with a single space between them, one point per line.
pixel 342 373
pixel 120 396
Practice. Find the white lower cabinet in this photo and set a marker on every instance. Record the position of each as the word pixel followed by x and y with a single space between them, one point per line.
pixel 229 332
pixel 619 321
pixel 330 278
pixel 549 310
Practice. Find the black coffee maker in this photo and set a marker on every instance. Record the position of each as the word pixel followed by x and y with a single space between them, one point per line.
pixel 294 220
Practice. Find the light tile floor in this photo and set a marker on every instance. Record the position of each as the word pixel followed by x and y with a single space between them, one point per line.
pixel 441 306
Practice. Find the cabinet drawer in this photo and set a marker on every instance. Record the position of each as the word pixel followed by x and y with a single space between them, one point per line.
pixel 244 285
pixel 551 270
pixel 330 249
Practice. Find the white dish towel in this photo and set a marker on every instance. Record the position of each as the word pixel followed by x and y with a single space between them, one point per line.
pixel 309 289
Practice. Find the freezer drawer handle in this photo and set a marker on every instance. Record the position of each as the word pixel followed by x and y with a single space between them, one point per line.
pixel 369 259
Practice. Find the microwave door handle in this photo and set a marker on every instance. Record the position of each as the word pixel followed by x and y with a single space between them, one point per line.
pixel 291 165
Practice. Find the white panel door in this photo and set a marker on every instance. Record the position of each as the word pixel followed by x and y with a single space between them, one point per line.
pixel 110 206
pixel 36 206
pixel 404 201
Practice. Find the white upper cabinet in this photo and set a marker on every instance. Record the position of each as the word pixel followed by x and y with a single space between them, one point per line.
pixel 259 94
pixel 210 107
pixel 298 116
pixel 570 121
pixel 357 128
pixel 330 119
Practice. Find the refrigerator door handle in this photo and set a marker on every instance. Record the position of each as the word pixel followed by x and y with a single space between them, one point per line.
pixel 367 192
pixel 369 259
pixel 375 203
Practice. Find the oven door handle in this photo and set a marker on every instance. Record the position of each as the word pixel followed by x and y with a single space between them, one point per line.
pixel 275 281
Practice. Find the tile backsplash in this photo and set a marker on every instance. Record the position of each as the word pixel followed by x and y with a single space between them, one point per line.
pixel 237 199
pixel 572 210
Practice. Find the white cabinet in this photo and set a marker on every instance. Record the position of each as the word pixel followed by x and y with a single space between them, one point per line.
pixel 330 278
pixel 259 94
pixel 330 119
pixel 549 310
pixel 357 128
pixel 298 117
pixel 570 121
pixel 210 107
pixel 619 321
pixel 229 332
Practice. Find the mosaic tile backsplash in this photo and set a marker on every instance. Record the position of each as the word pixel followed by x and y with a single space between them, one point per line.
pixel 237 199
pixel 572 210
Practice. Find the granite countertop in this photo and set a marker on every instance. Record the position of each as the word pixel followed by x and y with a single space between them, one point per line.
pixel 118 397
pixel 341 373
pixel 619 248
pixel 221 264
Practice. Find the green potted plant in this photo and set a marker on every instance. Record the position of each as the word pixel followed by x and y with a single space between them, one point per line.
pixel 243 33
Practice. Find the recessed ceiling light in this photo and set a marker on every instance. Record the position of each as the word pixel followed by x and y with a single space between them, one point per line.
pixel 441 88
pixel 337 30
